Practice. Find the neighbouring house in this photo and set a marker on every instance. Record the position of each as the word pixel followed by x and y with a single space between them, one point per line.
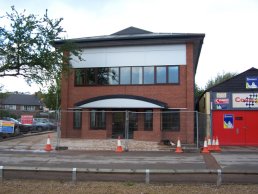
pixel 233 108
pixel 133 76
pixel 19 104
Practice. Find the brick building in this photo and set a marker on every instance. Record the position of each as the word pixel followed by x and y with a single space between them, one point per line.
pixel 132 76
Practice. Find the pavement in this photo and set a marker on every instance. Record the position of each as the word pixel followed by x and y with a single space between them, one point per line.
pixel 88 156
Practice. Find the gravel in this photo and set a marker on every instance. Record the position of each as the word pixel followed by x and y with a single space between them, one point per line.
pixel 43 187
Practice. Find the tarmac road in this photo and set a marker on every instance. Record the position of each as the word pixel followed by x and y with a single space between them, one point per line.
pixel 25 158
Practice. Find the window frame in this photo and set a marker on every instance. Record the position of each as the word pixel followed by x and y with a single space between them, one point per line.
pixel 74 119
pixel 96 127
pixel 145 120
pixel 174 126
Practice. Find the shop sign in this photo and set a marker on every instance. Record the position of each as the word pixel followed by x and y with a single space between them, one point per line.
pixel 221 101
pixel 221 95
pixel 251 82
pixel 221 106
pixel 245 100
pixel 228 121
pixel 27 119
pixel 6 126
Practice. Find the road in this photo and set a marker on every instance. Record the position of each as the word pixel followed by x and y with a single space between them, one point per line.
pixel 26 158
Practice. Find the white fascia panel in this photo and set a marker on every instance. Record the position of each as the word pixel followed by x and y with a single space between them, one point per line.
pixel 132 56
pixel 120 103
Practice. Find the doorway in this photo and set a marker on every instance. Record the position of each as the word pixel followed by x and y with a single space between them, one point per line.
pixel 118 124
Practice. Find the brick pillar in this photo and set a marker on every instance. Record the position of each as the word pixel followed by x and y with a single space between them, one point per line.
pixel 157 124
pixel 190 92
pixel 109 121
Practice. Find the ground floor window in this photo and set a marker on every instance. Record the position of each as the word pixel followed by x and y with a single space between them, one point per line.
pixel 97 119
pixel 77 119
pixel 148 120
pixel 171 120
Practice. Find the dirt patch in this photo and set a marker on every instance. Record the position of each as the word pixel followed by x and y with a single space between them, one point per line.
pixel 43 187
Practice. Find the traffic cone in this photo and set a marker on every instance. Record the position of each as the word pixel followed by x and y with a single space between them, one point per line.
pixel 213 145
pixel 178 146
pixel 119 147
pixel 217 148
pixel 48 146
pixel 205 147
pixel 209 144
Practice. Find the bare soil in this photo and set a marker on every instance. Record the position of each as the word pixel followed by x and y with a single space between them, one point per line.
pixel 44 187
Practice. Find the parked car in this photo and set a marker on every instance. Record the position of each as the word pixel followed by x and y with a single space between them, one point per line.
pixel 51 125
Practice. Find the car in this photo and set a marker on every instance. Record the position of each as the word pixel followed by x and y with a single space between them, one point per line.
pixel 51 125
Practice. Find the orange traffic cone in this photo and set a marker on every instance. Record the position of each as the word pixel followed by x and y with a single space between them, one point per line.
pixel 217 148
pixel 213 145
pixel 119 147
pixel 209 144
pixel 205 147
pixel 178 146
pixel 48 146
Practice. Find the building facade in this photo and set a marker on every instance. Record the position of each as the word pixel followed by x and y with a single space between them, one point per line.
pixel 18 104
pixel 136 77
pixel 233 107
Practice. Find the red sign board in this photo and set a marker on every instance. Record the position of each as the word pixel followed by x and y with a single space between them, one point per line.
pixel 27 119
pixel 221 101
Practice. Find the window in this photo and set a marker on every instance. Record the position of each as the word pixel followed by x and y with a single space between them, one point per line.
pixel 171 121
pixel 173 74
pixel 103 76
pixel 148 75
pixel 161 75
pixel 80 77
pixel 148 120
pixel 77 119
pixel 90 76
pixel 28 108
pixel 136 75
pixel 125 75
pixel 114 76
pixel 97 119
pixel 10 107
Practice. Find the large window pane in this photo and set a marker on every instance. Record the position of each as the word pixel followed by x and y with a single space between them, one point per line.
pixel 77 119
pixel 114 76
pixel 136 75
pixel 97 119
pixel 125 75
pixel 161 75
pixel 103 76
pixel 80 77
pixel 91 76
pixel 171 121
pixel 148 120
pixel 148 75
pixel 173 74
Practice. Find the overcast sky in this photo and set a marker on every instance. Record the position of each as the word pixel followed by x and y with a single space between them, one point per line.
pixel 231 27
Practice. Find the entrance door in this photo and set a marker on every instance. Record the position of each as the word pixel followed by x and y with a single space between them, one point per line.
pixel 118 124
pixel 239 131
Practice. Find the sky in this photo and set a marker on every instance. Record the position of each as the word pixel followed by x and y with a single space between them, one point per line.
pixel 230 27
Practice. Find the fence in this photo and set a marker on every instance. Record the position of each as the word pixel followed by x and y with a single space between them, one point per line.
pixel 146 125
pixel 150 125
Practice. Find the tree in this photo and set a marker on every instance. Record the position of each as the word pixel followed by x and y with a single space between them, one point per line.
pixel 219 78
pixel 26 47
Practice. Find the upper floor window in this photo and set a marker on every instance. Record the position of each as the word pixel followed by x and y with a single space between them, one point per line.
pixel 148 75
pixel 28 108
pixel 10 107
pixel 161 75
pixel 127 75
